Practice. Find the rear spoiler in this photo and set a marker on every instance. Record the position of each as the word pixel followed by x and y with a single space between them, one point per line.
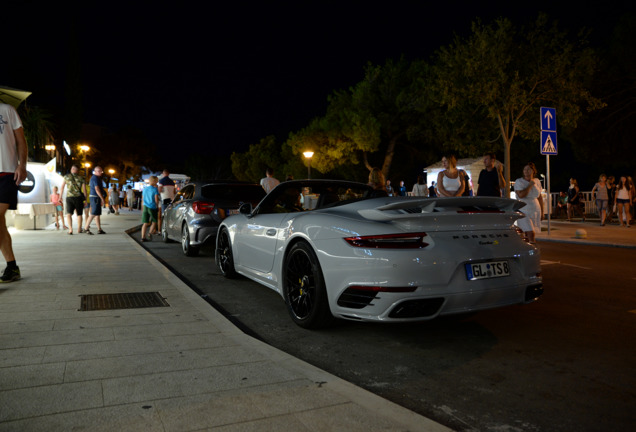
pixel 416 208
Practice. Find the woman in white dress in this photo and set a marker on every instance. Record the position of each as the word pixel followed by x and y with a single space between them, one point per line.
pixel 528 190
pixel 449 182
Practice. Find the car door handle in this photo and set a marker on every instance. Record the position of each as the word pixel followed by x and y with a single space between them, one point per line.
pixel 271 232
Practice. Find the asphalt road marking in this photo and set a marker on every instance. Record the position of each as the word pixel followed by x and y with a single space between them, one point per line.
pixel 547 262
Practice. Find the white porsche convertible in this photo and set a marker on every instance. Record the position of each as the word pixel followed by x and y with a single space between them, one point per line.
pixel 333 250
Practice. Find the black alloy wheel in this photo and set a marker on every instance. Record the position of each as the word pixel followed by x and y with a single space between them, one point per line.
pixel 224 257
pixel 304 288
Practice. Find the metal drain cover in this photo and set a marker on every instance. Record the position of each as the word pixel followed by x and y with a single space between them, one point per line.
pixel 94 302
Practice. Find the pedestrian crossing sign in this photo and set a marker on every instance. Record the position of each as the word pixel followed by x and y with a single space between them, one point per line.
pixel 548 143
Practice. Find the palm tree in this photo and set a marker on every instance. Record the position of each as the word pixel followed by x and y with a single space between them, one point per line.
pixel 38 130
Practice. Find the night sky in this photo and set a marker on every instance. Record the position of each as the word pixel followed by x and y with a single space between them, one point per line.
pixel 211 78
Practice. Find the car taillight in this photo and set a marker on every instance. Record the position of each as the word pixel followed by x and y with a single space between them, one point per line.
pixel 203 207
pixel 389 241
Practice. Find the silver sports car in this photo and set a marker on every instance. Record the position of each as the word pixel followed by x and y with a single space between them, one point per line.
pixel 194 215
pixel 333 250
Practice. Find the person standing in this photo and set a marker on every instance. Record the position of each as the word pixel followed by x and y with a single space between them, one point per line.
pixel 13 160
pixel 491 180
pixel 166 189
pixel 600 194
pixel 574 200
pixel 528 189
pixel 401 191
pixel 75 195
pixel 113 199
pixel 624 196
pixel 419 188
pixel 130 197
pixel 97 199
pixel 449 181
pixel 431 190
pixel 269 182
pixel 150 208
pixel 389 188
pixel 56 200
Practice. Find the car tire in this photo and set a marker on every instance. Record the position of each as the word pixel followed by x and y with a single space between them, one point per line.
pixel 224 257
pixel 164 232
pixel 186 247
pixel 304 288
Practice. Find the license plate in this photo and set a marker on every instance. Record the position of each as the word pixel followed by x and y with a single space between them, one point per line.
pixel 487 270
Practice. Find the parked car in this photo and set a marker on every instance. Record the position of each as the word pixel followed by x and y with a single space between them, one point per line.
pixel 199 207
pixel 331 249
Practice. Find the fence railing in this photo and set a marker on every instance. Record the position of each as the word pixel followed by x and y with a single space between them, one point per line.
pixel 590 204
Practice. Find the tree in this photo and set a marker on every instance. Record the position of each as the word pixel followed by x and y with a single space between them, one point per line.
pixel 369 120
pixel 605 138
pixel 251 166
pixel 501 75
pixel 38 130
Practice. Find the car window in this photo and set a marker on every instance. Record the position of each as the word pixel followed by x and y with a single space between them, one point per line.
pixel 292 197
pixel 188 192
pixel 243 192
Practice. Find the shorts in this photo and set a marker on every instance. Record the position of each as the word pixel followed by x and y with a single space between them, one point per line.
pixel 622 201
pixel 59 208
pixel 149 215
pixel 8 191
pixel 601 204
pixel 96 206
pixel 74 204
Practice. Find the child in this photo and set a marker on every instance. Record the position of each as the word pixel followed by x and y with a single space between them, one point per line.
pixel 150 206
pixel 56 200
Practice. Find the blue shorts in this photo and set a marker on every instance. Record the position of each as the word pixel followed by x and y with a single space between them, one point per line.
pixel 96 206
pixel 8 191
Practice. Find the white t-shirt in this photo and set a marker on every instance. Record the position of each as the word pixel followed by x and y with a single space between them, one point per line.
pixel 420 190
pixel 269 183
pixel 9 121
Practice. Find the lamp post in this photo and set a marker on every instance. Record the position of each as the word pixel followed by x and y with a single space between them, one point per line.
pixel 87 165
pixel 51 149
pixel 308 155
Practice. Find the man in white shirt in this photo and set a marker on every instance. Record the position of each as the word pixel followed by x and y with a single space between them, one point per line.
pixel 166 189
pixel 269 182
pixel 13 159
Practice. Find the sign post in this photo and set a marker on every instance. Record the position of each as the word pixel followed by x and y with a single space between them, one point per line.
pixel 548 146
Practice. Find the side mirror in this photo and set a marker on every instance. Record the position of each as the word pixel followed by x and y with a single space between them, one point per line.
pixel 246 209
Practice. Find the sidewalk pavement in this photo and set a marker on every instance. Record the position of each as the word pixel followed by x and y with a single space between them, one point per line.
pixel 588 233
pixel 177 368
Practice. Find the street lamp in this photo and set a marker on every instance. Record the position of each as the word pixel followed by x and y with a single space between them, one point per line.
pixel 308 155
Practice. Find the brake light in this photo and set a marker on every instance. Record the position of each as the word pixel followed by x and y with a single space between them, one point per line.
pixel 389 241
pixel 203 207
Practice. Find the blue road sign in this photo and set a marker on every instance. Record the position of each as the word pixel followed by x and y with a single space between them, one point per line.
pixel 548 119
pixel 548 143
pixel 548 131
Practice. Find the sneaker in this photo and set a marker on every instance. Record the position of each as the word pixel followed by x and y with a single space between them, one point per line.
pixel 10 275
